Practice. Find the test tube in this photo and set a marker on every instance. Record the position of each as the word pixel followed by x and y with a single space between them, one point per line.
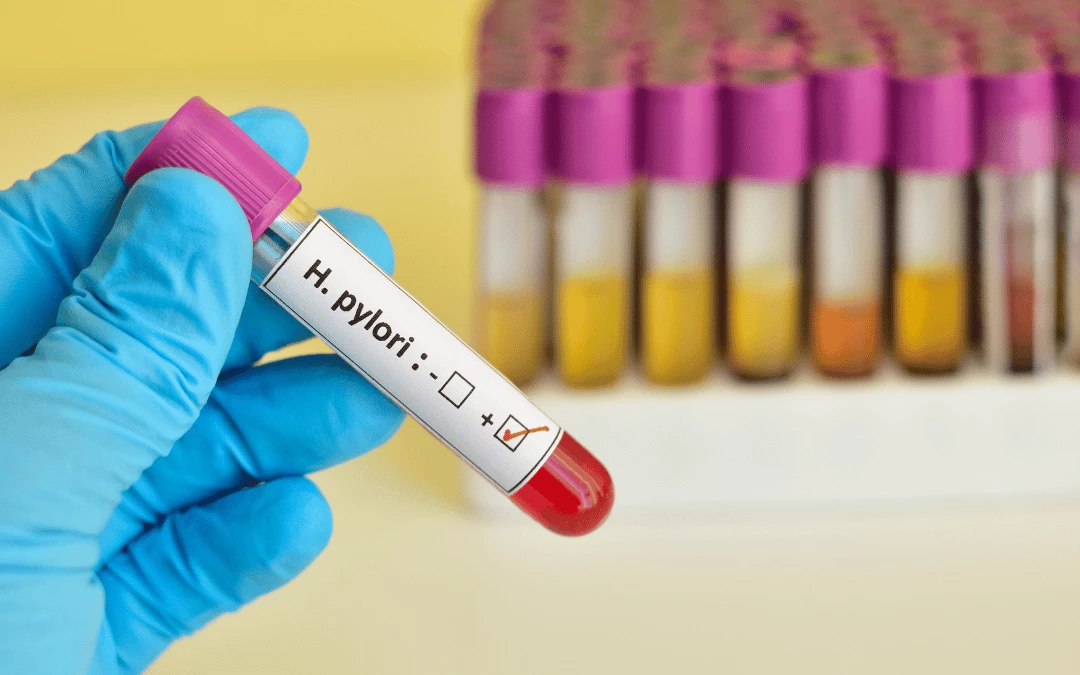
pixel 331 287
pixel 847 94
pixel 594 224
pixel 1070 84
pixel 932 156
pixel 767 108
pixel 682 164
pixel 1016 197
pixel 513 238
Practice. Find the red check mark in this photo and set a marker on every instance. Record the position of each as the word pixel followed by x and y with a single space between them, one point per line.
pixel 507 436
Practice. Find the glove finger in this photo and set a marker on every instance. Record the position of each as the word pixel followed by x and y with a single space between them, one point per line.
pixel 286 418
pixel 47 619
pixel 206 561
pixel 135 354
pixel 265 326
pixel 52 225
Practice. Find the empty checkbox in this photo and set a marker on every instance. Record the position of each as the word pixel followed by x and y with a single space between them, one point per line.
pixel 456 389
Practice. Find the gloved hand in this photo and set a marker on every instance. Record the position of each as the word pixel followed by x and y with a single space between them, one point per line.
pixel 150 477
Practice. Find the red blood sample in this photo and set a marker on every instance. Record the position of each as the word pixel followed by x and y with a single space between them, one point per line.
pixel 571 494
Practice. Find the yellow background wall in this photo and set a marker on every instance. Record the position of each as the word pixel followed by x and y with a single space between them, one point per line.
pixel 407 584
pixel 383 87
pixel 115 44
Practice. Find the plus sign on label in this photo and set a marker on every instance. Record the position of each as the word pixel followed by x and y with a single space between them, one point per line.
pixel 405 352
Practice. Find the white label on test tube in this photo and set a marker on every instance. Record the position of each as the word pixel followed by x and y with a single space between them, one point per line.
pixel 1072 266
pixel 764 225
pixel 848 232
pixel 679 226
pixel 995 333
pixel 513 239
pixel 1044 245
pixel 344 298
pixel 931 220
pixel 594 231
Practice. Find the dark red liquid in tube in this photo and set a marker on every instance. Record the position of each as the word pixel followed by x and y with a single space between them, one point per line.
pixel 571 494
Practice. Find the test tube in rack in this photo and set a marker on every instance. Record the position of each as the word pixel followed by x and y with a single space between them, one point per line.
pixel 767 111
pixel 1016 197
pixel 513 235
pixel 847 94
pixel 681 109
pixel 932 156
pixel 1070 98
pixel 594 222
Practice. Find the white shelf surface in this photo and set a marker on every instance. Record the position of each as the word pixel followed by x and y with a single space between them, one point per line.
pixel 805 441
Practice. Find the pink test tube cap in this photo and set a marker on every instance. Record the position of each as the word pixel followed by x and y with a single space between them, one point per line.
pixel 510 136
pixel 200 138
pixel 1016 113
pixel 1070 103
pixel 848 116
pixel 767 130
pixel 681 138
pixel 932 123
pixel 594 131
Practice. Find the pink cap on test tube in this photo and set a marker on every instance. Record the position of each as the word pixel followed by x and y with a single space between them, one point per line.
pixel 1017 112
pixel 681 141
pixel 1070 103
pixel 768 129
pixel 848 116
pixel 594 131
pixel 201 138
pixel 766 111
pixel 509 136
pixel 932 123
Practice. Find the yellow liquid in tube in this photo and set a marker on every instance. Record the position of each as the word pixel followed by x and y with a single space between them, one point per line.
pixel 512 334
pixel 592 329
pixel 677 325
pixel 763 321
pixel 931 321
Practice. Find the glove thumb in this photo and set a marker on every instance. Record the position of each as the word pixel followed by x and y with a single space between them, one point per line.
pixel 137 349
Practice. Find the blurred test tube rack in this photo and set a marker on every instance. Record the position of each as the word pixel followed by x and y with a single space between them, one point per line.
pixel 724 444
pixel 867 206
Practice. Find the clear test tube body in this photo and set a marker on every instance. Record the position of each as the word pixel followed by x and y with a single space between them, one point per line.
pixel 511 315
pixel 1017 237
pixel 682 164
pixel 768 146
pixel 594 232
pixel 932 159
pixel 848 141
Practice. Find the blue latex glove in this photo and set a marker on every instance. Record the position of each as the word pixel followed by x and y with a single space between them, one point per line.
pixel 129 435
